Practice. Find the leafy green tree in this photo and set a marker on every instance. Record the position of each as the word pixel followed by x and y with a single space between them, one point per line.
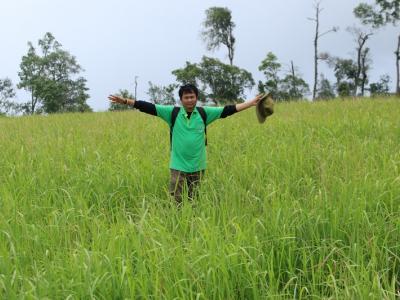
pixel 219 82
pixel 270 67
pixel 293 87
pixel 290 87
pixel 380 88
pixel 345 88
pixel 380 14
pixel 226 83
pixel 31 76
pixel 49 75
pixel 325 89
pixel 162 94
pixel 218 30
pixel 7 92
pixel 191 74
pixel 117 106
pixel 345 71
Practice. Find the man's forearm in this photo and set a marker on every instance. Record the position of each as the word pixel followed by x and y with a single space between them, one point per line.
pixel 243 106
pixel 130 102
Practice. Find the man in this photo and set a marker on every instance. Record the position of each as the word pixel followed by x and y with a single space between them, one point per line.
pixel 188 139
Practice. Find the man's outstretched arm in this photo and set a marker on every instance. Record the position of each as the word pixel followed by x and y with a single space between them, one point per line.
pixel 232 109
pixel 143 106
pixel 248 104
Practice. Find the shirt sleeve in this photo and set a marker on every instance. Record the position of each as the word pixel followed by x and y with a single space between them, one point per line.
pixel 214 113
pixel 164 112
pixel 146 107
pixel 228 111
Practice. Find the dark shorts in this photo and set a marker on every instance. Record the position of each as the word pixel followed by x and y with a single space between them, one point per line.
pixel 183 182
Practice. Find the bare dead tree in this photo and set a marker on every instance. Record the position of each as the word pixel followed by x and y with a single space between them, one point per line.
pixel 317 36
pixel 364 69
pixel 397 53
pixel 361 38
pixel 136 77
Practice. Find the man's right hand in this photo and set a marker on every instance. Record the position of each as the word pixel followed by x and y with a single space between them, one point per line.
pixel 118 99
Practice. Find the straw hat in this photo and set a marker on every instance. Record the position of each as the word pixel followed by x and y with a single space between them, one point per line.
pixel 265 107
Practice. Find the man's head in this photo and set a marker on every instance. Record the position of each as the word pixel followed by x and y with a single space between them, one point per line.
pixel 188 95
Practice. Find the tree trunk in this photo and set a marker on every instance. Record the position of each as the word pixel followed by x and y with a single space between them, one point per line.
pixel 33 104
pixel 364 71
pixel 294 87
pixel 357 79
pixel 135 87
pixel 316 51
pixel 361 61
pixel 398 68
pixel 231 45
pixel 230 55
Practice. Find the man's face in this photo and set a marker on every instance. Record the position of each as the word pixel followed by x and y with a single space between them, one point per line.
pixel 189 100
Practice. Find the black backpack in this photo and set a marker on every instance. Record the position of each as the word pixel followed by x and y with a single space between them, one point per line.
pixel 174 114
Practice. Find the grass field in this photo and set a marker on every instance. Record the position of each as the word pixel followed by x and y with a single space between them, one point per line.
pixel 305 206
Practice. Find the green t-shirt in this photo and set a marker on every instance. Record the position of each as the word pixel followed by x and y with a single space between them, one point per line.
pixel 188 152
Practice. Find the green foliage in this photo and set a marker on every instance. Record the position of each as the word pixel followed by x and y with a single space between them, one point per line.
pixel 117 106
pixel 379 14
pixel 189 74
pixel 227 83
pixel 217 81
pixel 162 94
pixel 293 87
pixel 7 92
pixel 270 67
pixel 345 71
pixel 290 87
pixel 305 206
pixel 380 88
pixel 50 78
pixel 325 89
pixel 218 30
pixel 368 16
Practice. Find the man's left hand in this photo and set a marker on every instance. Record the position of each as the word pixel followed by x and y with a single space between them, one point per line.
pixel 256 100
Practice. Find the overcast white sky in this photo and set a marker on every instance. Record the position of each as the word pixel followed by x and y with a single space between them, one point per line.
pixel 114 41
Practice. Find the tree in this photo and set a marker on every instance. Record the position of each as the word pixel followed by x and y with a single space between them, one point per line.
pixel 270 67
pixel 365 66
pixel 226 83
pixel 219 82
pixel 380 14
pixel 30 78
pixel 345 71
pixel 325 89
pixel 50 78
pixel 361 77
pixel 317 36
pixel 291 87
pixel 117 106
pixel 380 88
pixel 218 30
pixel 136 84
pixel 162 94
pixel 191 74
pixel 7 92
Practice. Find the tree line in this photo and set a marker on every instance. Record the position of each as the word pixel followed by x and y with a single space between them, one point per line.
pixel 51 75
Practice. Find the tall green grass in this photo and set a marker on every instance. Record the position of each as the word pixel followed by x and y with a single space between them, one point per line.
pixel 306 205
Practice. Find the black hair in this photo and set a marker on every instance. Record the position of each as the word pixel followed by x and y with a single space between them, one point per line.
pixel 188 88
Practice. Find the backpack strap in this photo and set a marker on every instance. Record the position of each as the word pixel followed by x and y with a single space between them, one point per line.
pixel 203 115
pixel 174 114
